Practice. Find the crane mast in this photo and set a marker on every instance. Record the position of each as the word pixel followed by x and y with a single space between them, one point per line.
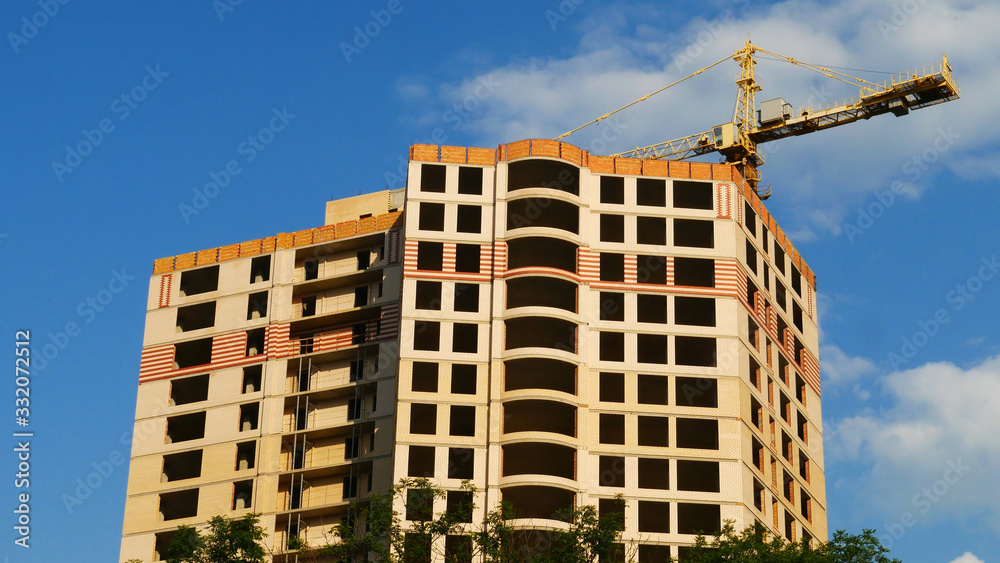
pixel 737 140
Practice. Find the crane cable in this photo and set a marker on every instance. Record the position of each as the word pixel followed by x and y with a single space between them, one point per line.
pixel 843 77
pixel 644 98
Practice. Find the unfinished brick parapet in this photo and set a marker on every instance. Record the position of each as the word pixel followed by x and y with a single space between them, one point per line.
pixel 547 148
pixel 254 247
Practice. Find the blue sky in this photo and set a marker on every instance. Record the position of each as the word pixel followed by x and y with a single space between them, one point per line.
pixel 167 93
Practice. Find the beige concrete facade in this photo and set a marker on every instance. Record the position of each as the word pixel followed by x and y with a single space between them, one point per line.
pixel 555 327
pixel 267 381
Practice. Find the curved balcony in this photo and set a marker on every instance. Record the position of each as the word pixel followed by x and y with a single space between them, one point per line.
pixel 539 501
pixel 541 252
pixel 541 291
pixel 539 211
pixel 543 173
pixel 540 332
pixel 539 458
pixel 539 373
pixel 539 415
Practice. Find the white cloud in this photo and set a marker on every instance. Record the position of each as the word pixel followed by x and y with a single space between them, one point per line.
pixel 933 452
pixel 840 371
pixel 624 52
pixel 838 368
pixel 967 557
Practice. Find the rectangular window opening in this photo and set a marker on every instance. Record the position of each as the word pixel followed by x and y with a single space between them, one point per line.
pixel 651 192
pixel 249 416
pixel 467 297
pixel 181 504
pixel 653 431
pixel 255 342
pixel 612 189
pixel 612 387
pixel 651 269
pixel 697 392
pixel 612 306
pixel 256 306
pixel 654 473
pixel 427 336
pixel 470 219
pixel 242 494
pixel 470 180
pixel 185 427
pixel 612 228
pixel 430 256
pixel 202 280
pixel 694 233
pixel 611 471
pixel 461 463
pixel 420 462
pixel 260 269
pixel 702 476
pixel 651 230
pixel 462 421
pixel 185 465
pixel 432 177
pixel 698 433
pixel 651 308
pixel 431 216
pixel 612 428
pixel 246 455
pixel 252 377
pixel 425 377
pixel 194 317
pixel 189 390
pixel 192 353
pixel 694 272
pixel 694 311
pixel 423 418
pixel 467 258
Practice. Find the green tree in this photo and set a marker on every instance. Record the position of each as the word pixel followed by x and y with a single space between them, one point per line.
pixel 237 540
pixel 495 540
pixel 377 529
pixel 591 537
pixel 382 535
pixel 756 545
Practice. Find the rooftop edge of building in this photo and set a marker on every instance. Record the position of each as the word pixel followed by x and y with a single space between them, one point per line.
pixel 538 148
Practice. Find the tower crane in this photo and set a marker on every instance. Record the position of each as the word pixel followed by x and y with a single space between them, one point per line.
pixel 737 140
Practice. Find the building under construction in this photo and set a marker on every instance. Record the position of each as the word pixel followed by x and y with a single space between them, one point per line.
pixel 554 326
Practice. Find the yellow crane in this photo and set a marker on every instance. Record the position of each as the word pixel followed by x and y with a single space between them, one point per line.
pixel 737 140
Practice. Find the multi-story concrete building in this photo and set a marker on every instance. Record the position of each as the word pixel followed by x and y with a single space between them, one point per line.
pixel 554 326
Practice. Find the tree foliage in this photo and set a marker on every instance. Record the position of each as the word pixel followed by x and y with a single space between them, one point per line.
pixel 756 545
pixel 383 536
pixel 237 540
pixel 589 538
